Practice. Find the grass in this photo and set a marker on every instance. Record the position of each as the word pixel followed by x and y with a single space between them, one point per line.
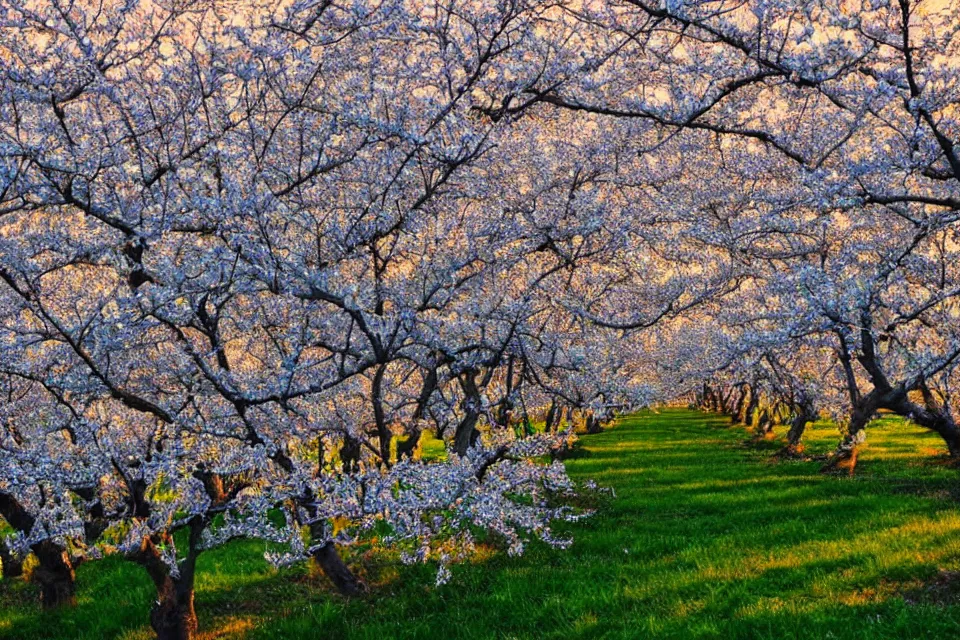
pixel 707 537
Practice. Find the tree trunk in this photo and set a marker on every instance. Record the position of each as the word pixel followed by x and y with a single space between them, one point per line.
pixel 172 616
pixel 751 407
pixel 736 415
pixel 54 573
pixel 947 429
pixel 764 423
pixel 593 424
pixel 350 454
pixel 383 431
pixel 778 414
pixel 713 399
pixel 333 565
pixel 806 413
pixel 338 572
pixel 467 434
pixel 414 430
pixel 729 403
pixel 793 448
pixel 12 566
pixel 797 426
pixel 551 417
pixel 505 413
pixel 844 458
pixel 406 447
pixel 932 415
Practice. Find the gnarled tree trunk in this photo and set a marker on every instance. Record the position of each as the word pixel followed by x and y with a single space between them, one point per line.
pixel 726 401
pixel 406 448
pixel 414 431
pixel 947 429
pixel 805 413
pixel 467 434
pixel 172 616
pixel 384 436
pixel 845 456
pixel 54 573
pixel 932 415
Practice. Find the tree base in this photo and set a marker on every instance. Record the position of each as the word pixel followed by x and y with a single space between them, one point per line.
pixel 11 567
pixel 338 572
pixel 842 462
pixel 174 620
pixel 791 452
pixel 54 573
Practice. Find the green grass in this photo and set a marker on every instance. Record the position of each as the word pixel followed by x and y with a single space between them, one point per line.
pixel 707 537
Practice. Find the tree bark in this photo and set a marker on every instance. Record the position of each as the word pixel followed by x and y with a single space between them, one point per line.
pixel 54 573
pixel 751 407
pixel 932 415
pixel 593 424
pixel 338 572
pixel 736 415
pixel 467 434
pixel 505 412
pixel 764 423
pixel 173 616
pixel 406 447
pixel 551 417
pixel 805 413
pixel 333 565
pixel 779 413
pixel 728 401
pixel 12 567
pixel 713 399
pixel 845 456
pixel 383 431
pixel 414 431
pixel 797 426
pixel 350 454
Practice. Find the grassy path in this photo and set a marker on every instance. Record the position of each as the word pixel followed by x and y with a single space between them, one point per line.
pixel 706 538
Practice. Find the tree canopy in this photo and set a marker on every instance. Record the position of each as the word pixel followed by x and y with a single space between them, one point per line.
pixel 253 254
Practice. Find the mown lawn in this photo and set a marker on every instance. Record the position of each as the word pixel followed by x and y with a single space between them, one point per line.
pixel 706 537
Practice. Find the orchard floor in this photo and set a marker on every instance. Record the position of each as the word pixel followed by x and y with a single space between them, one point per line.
pixel 707 537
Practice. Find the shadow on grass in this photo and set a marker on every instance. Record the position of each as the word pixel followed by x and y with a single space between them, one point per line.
pixel 705 539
